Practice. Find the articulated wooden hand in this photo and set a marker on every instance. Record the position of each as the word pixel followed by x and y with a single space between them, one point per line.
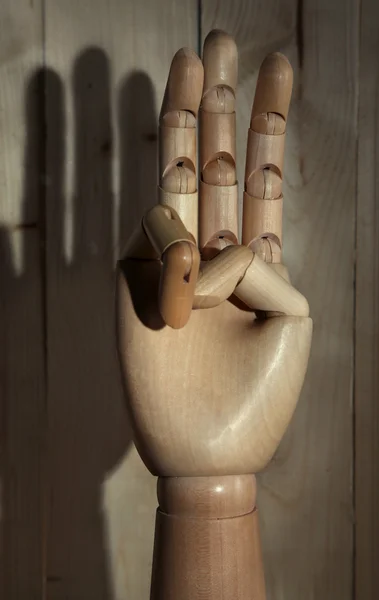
pixel 213 359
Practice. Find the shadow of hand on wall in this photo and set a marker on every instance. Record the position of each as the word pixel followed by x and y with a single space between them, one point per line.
pixel 80 422
pixel 22 369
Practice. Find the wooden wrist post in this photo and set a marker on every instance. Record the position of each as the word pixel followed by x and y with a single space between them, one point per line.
pixel 207 540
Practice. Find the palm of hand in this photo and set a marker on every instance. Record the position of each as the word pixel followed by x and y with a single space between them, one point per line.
pixel 213 397
pixel 216 396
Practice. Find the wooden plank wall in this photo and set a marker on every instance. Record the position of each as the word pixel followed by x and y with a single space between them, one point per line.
pixel 81 86
pixel 367 314
pixel 22 355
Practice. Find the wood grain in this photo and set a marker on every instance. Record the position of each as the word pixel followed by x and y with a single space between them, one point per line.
pixel 367 303
pixel 101 501
pixel 195 550
pixel 108 65
pixel 305 496
pixel 186 422
pixel 22 394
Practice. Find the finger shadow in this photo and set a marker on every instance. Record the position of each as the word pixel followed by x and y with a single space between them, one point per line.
pixel 138 149
pixel 89 432
pixel 6 496
pixel 22 368
pixel 138 188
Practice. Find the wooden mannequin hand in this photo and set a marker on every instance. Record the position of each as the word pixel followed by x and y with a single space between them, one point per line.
pixel 215 396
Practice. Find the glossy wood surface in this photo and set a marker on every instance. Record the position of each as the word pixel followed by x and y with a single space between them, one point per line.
pixel 227 423
pixel 207 540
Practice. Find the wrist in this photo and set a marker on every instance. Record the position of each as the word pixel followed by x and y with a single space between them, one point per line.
pixel 207 539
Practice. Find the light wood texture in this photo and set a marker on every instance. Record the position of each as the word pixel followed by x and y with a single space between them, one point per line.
pixel 262 288
pixel 219 277
pixel 186 422
pixel 175 247
pixel 237 270
pixel 272 94
pixel 234 270
pixel 366 315
pixel 180 270
pixel 207 540
pixel 183 90
pixel 207 497
pixel 262 226
pixel 108 64
pixel 262 199
pixel 164 229
pixel 22 391
pixel 264 149
pixel 218 224
pixel 177 137
pixel 180 258
pixel 185 205
pixel 305 495
pixel 218 214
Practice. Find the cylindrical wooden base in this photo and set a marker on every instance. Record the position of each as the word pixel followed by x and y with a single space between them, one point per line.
pixel 207 543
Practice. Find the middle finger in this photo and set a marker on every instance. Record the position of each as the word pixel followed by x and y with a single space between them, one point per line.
pixel 218 196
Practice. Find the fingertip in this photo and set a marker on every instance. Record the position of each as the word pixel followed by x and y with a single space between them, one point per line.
pixel 186 54
pixel 186 58
pixel 184 84
pixel 277 66
pixel 220 38
pixel 274 86
pixel 220 58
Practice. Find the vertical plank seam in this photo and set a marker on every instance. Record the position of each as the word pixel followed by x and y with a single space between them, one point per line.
pixel 355 268
pixel 43 270
pixel 300 33
pixel 199 7
pixel 199 28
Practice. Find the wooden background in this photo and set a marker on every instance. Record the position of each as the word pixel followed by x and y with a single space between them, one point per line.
pixel 81 82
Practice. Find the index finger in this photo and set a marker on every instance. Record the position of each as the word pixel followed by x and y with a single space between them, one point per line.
pixel 177 137
pixel 263 199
